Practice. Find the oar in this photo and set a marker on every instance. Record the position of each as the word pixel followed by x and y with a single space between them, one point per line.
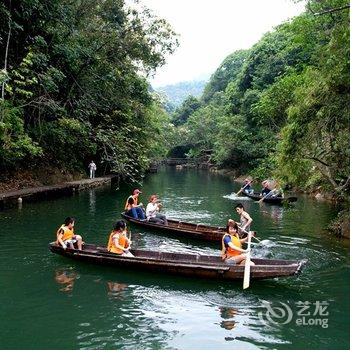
pixel 262 242
pixel 258 240
pixel 261 200
pixel 267 195
pixel 129 237
pixel 246 278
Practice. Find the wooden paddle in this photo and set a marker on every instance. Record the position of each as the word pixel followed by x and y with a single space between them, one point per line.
pixel 129 238
pixel 246 278
pixel 245 231
pixel 267 195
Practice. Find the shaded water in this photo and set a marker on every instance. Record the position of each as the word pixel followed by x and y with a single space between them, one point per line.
pixel 48 301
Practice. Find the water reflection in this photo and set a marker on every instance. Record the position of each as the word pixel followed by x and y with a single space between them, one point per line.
pixel 115 289
pixel 66 278
pixel 228 314
pixel 92 200
pixel 274 212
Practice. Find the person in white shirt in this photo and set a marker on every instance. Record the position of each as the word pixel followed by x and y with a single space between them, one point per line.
pixel 152 211
pixel 92 167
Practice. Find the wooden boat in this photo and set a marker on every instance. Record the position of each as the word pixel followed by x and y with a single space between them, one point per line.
pixel 193 265
pixel 273 200
pixel 183 229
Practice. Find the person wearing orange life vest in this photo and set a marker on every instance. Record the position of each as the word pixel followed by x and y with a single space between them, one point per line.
pixel 118 243
pixel 132 208
pixel 232 251
pixel 65 235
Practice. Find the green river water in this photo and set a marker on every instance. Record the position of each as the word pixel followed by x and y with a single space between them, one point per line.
pixel 52 302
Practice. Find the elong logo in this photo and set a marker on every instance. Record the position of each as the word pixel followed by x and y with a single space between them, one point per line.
pixel 308 314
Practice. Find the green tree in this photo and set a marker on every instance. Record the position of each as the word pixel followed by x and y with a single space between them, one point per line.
pixel 188 107
pixel 78 76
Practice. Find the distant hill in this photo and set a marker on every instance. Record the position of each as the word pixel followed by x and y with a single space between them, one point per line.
pixel 177 93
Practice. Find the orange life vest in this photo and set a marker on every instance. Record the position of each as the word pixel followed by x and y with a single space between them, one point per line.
pixel 67 233
pixel 123 241
pixel 128 206
pixel 228 252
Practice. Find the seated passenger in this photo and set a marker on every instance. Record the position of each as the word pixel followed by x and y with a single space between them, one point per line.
pixel 247 186
pixel 231 229
pixel 118 242
pixel 152 211
pixel 65 235
pixel 132 208
pixel 232 251
pixel 266 189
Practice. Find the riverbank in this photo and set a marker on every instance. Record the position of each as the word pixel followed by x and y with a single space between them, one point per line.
pixel 43 174
pixel 11 198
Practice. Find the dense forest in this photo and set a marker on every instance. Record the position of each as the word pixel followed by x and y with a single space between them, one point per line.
pixel 282 108
pixel 74 85
pixel 175 94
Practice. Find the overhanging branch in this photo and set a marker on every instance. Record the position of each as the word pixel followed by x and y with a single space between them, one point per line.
pixel 330 10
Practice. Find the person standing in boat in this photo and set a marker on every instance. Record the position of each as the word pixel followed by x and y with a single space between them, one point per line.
pixel 245 218
pixel 134 209
pixel 231 245
pixel 152 211
pixel 65 235
pixel 118 241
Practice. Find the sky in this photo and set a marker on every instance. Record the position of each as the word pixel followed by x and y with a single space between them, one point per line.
pixel 211 30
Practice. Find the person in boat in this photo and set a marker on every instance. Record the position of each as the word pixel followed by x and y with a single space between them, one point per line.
pixel 231 245
pixel 65 235
pixel 267 192
pixel 118 241
pixel 152 211
pixel 132 208
pixel 245 219
pixel 266 188
pixel 231 228
pixel 247 186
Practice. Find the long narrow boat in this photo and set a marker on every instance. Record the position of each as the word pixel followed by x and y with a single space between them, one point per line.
pixel 273 200
pixel 183 229
pixel 193 265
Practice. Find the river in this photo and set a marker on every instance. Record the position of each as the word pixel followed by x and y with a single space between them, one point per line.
pixel 48 301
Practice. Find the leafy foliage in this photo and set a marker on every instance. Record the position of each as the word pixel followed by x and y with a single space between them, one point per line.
pixel 189 106
pixel 16 145
pixel 282 108
pixel 227 72
pixel 77 75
